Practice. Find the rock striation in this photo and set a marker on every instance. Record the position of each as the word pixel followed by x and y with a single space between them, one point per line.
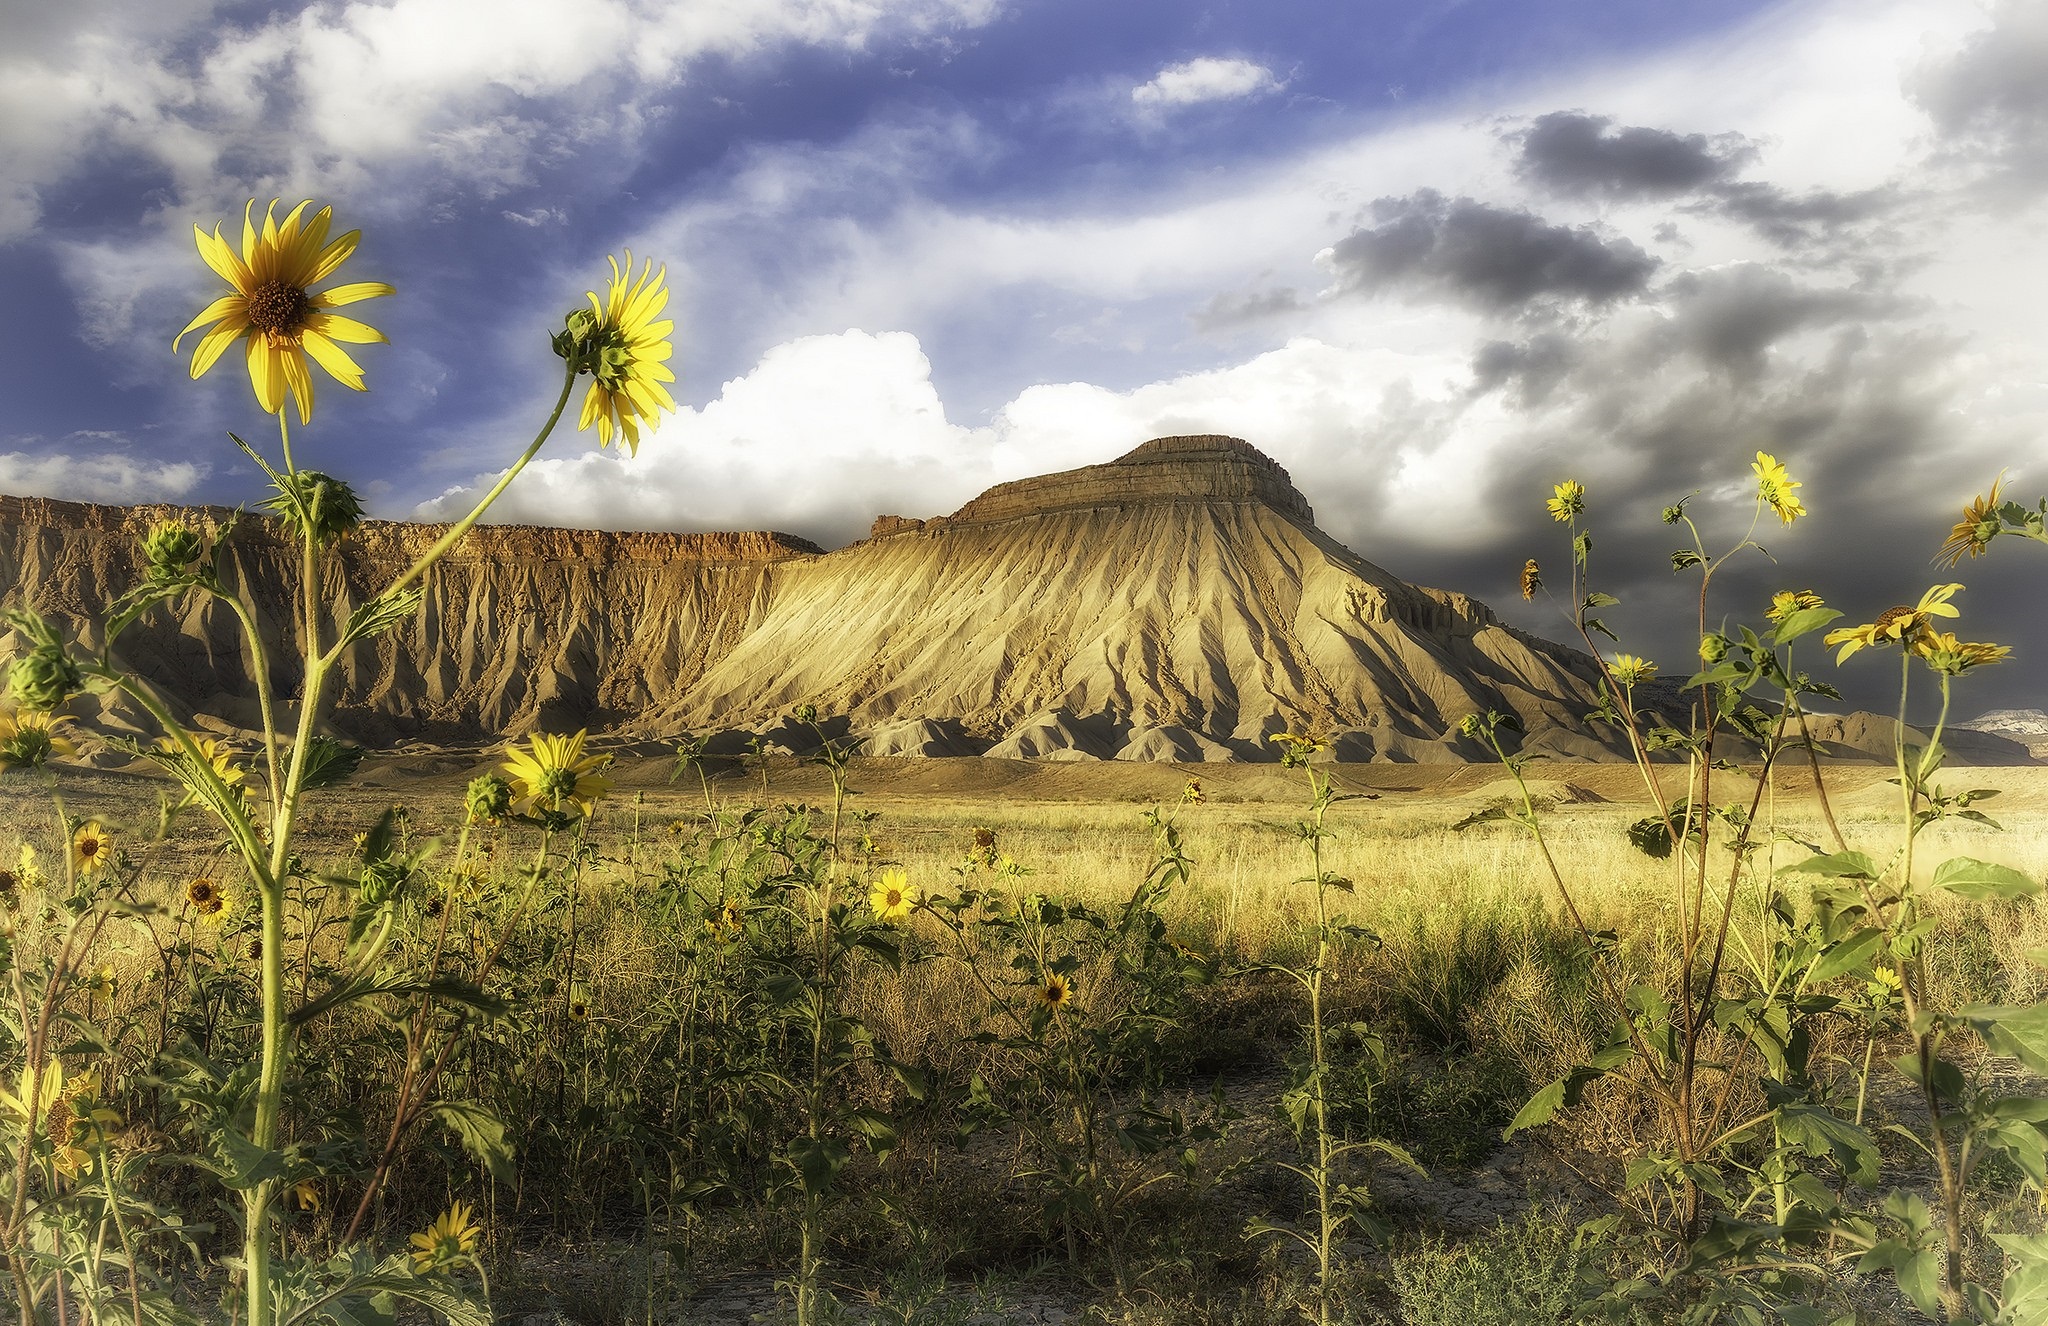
pixel 1177 603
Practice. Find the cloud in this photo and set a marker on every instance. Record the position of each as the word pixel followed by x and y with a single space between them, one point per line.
pixel 1572 153
pixel 1496 257
pixel 1208 79
pixel 1989 98
pixel 468 94
pixel 73 474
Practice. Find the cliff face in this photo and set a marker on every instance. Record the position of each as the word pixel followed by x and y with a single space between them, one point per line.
pixel 1177 601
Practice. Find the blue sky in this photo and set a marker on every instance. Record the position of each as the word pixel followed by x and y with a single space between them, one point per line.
pixel 1430 256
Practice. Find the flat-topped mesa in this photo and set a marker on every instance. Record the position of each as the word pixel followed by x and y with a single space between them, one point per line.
pixel 1205 468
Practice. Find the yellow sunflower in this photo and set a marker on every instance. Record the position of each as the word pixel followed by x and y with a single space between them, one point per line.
pixel 1628 669
pixel 449 1240
pixel 1901 624
pixel 1788 601
pixel 1569 500
pixel 1975 531
pixel 208 900
pixel 1945 653
pixel 893 895
pixel 1055 991
pixel 274 308
pixel 29 737
pixel 552 770
pixel 92 847
pixel 626 361
pixel 1774 486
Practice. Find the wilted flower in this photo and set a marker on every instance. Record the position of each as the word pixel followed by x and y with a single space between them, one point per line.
pixel 306 1195
pixel 982 848
pixel 273 306
pixel 1569 501
pixel 450 1240
pixel 1902 625
pixel 1774 486
pixel 1532 579
pixel 1192 794
pixel 1629 670
pixel 893 895
pixel 553 770
pixel 1975 531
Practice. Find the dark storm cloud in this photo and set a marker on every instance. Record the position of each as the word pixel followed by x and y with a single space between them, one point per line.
pixel 1991 98
pixel 1730 317
pixel 1797 221
pixel 1532 369
pixel 1495 257
pixel 1571 153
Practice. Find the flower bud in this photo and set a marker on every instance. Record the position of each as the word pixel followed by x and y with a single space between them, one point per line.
pixel 1713 648
pixel 45 678
pixel 170 547
pixel 331 504
pixel 806 713
pixel 489 799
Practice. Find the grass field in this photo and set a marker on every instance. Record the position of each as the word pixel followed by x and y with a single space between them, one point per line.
pixel 643 1085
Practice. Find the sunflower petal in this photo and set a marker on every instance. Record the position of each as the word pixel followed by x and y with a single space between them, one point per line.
pixel 222 258
pixel 337 328
pixel 215 342
pixel 349 294
pixel 266 374
pixel 227 306
pixel 332 358
pixel 334 255
pixel 299 381
pixel 592 402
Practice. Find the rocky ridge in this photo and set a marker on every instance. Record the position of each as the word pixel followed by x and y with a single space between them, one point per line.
pixel 1177 603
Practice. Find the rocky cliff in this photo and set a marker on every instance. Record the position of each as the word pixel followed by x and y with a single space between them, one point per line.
pixel 1176 603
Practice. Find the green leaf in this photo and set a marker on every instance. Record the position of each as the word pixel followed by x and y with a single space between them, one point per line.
pixel 2017 1030
pixel 1851 955
pixel 1539 1109
pixel 382 613
pixel 1818 1132
pixel 1981 881
pixel 481 1133
pixel 328 762
pixel 817 1161
pixel 1802 622
pixel 1835 865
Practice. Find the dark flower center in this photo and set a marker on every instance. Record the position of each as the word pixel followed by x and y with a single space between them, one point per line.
pixel 278 308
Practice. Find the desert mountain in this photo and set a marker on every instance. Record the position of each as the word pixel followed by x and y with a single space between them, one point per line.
pixel 1177 603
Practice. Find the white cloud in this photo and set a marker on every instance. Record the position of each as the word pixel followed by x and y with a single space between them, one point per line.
pixel 106 476
pixel 1208 79
pixel 475 92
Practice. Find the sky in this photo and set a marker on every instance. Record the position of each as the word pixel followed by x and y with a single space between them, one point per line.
pixel 1433 256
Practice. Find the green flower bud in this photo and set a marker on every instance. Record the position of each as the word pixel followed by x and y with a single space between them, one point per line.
pixel 489 799
pixel 45 678
pixel 1713 648
pixel 330 503
pixel 806 713
pixel 170 547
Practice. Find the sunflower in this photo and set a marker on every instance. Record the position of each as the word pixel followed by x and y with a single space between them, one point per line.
pixel 306 1195
pixel 1944 653
pixel 1788 601
pixel 214 755
pixel 893 895
pixel 1192 794
pixel 1055 991
pixel 1628 669
pixel 553 769
pixel 91 848
pixel 625 348
pixel 273 307
pixel 449 1240
pixel 1774 486
pixel 28 738
pixel 208 899
pixel 1975 531
pixel 1532 579
pixel 1901 624
pixel 1569 500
